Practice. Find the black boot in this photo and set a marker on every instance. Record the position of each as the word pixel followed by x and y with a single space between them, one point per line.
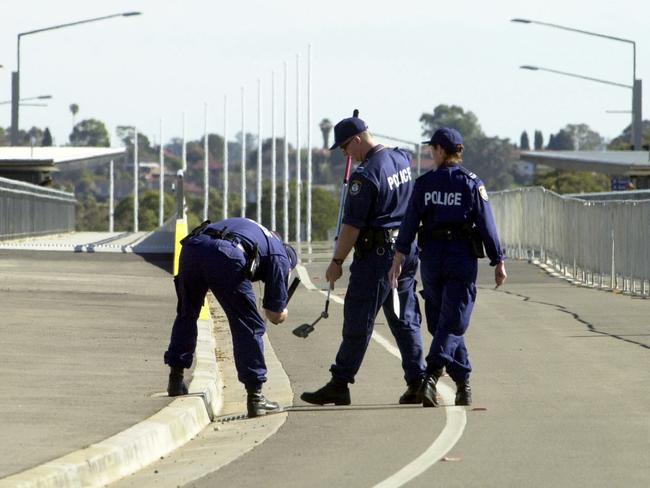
pixel 176 385
pixel 336 392
pixel 412 395
pixel 428 389
pixel 257 404
pixel 463 393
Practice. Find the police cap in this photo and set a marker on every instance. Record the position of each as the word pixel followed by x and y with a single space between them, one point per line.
pixel 446 137
pixel 346 129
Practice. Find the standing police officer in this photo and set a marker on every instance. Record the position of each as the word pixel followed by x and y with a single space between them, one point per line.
pixel 375 205
pixel 226 257
pixel 452 204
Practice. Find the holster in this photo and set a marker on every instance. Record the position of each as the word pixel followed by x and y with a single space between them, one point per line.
pixel 373 238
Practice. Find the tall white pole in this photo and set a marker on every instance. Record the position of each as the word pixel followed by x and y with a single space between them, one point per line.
pixel 273 155
pixel 135 180
pixel 184 149
pixel 298 162
pixel 259 150
pixel 285 190
pixel 225 156
pixel 309 163
pixel 206 176
pixel 243 152
pixel 161 162
pixel 111 197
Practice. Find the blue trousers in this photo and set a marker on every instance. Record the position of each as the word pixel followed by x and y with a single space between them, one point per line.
pixel 448 273
pixel 207 263
pixel 368 291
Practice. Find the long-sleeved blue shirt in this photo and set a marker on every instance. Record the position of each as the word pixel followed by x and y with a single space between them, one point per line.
pixel 450 195
pixel 379 189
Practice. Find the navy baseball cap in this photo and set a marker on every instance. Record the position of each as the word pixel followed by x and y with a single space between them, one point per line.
pixel 346 129
pixel 291 254
pixel 446 137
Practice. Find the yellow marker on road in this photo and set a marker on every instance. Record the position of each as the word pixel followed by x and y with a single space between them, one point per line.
pixel 181 231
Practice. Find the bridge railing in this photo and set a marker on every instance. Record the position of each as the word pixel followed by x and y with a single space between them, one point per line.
pixel 596 243
pixel 28 210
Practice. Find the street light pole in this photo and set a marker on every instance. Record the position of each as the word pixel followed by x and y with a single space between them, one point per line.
pixel 574 75
pixel 636 84
pixel 15 76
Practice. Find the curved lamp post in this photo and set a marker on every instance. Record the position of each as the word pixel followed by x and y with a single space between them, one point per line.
pixel 15 76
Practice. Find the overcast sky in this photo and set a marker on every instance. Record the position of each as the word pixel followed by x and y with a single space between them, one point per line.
pixel 392 60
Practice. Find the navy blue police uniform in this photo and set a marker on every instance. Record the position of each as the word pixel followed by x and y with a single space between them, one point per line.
pixel 377 197
pixel 221 257
pixel 452 205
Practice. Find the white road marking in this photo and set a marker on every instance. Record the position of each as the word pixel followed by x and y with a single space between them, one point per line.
pixel 451 432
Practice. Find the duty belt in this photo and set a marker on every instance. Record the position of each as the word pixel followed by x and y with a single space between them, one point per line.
pixel 225 235
pixel 451 233
pixel 252 255
pixel 376 238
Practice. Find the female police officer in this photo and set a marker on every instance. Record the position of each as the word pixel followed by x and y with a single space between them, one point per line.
pixel 452 205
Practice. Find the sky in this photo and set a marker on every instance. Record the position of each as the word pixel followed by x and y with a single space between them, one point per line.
pixel 391 60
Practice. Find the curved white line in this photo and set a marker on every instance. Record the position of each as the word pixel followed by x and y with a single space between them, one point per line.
pixel 451 432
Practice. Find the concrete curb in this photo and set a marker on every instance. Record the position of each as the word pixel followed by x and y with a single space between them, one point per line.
pixel 136 447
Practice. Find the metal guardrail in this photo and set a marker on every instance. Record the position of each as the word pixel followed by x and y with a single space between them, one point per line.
pixel 597 243
pixel 29 210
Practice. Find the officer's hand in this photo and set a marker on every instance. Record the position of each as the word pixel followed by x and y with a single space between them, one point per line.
pixel 333 273
pixel 395 270
pixel 276 317
pixel 500 274
pixel 394 273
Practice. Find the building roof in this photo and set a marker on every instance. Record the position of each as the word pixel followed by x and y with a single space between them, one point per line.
pixel 627 163
pixel 21 156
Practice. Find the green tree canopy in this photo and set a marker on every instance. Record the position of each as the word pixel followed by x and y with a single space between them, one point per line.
pixel 622 142
pixel 148 210
pixel 539 140
pixel 561 181
pixel 562 141
pixel 524 143
pixel 585 139
pixel 90 132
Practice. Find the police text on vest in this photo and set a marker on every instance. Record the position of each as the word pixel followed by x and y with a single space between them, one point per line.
pixel 398 178
pixel 440 198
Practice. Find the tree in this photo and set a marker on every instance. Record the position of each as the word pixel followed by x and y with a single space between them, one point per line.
pixel 74 109
pixel 325 128
pixel 539 140
pixel 452 116
pixel 90 132
pixel 584 138
pixel 561 181
pixel 562 141
pixel 491 158
pixel 622 142
pixel 147 210
pixel 47 138
pixel 91 215
pixel 524 143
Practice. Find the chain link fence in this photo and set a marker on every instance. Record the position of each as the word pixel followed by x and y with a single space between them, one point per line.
pixel 30 210
pixel 602 244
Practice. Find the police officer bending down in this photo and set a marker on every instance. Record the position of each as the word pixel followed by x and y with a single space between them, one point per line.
pixel 452 205
pixel 226 257
pixel 377 198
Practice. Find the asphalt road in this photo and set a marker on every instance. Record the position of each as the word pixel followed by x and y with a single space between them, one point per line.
pixel 81 338
pixel 560 385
